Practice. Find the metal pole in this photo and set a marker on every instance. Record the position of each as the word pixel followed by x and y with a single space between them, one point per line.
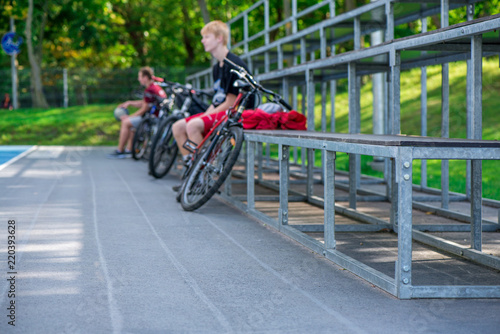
pixel 245 32
pixel 333 92
pixel 295 104
pixel 389 12
pixel 394 92
pixel 311 127
pixel 15 102
pixel 280 56
pixel 332 8
pixel 354 126
pixel 357 33
pixel 323 126
pixel 476 165
pixel 303 59
pixel 250 175
pixel 423 108
pixel 404 222
pixel 294 16
pixel 378 84
pixel 284 171
pixel 445 113
pixel 333 87
pixel 470 16
pixel 329 193
pixel 65 87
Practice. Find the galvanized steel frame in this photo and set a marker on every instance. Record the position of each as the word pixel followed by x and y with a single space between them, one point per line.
pixel 403 157
pixel 399 191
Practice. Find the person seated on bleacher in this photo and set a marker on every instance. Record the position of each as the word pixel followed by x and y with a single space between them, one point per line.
pixel 152 94
pixel 215 36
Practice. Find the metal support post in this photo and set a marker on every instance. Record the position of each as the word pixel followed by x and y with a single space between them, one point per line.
pixel 285 90
pixel 404 188
pixel 305 88
pixel 333 89
pixel 354 127
pixel 65 87
pixel 476 165
pixel 284 181
pixel 322 39
pixel 259 160
pixel 310 99
pixel 468 178
pixel 295 105
pixel 389 13
pixel 332 8
pixel 333 93
pixel 310 174
pixel 445 13
pixel 250 175
pixel 329 193
pixel 393 194
pixel 268 155
pixel 280 56
pixel 445 113
pixel 476 205
pixel 357 33
pixel 423 108
pixel 323 126
pixel 266 23
pixel 245 33
pixel 394 93
pixel 445 133
pixel 294 16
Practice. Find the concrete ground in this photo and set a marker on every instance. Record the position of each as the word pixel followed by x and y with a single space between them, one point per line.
pixel 102 247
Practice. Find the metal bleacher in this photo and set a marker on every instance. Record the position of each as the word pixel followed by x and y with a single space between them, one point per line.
pixel 303 60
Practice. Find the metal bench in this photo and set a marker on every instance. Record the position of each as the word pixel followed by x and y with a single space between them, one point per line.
pixel 402 150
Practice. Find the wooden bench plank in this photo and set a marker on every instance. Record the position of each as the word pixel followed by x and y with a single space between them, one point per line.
pixel 381 140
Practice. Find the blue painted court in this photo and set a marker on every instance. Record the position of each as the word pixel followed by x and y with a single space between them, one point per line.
pixel 8 152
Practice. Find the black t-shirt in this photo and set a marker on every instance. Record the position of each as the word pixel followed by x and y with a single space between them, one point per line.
pixel 224 79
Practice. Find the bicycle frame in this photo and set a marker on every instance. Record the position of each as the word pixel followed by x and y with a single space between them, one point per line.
pixel 222 120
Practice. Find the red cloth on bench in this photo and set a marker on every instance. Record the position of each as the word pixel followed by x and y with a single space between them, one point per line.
pixel 260 120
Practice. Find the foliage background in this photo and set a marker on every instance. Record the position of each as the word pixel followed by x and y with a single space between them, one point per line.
pixel 160 33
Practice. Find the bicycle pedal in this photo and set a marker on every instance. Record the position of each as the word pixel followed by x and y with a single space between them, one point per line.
pixel 190 146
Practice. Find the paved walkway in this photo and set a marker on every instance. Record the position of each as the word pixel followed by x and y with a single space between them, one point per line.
pixel 104 248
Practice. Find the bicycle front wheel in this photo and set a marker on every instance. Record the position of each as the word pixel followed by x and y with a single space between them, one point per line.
pixel 141 139
pixel 210 172
pixel 163 149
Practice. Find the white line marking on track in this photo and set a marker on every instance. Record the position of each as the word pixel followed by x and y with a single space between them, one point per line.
pixel 346 322
pixel 180 268
pixel 116 318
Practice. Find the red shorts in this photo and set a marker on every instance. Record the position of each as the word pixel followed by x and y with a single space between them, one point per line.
pixel 208 120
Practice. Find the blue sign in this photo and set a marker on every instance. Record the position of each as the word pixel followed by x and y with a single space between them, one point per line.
pixel 11 43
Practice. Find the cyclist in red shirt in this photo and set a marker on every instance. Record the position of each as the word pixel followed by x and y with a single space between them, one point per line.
pixel 152 94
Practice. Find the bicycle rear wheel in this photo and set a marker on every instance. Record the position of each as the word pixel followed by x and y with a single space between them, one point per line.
pixel 212 169
pixel 163 149
pixel 141 139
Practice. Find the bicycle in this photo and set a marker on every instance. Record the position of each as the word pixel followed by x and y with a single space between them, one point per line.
pixel 164 147
pixel 147 129
pixel 213 159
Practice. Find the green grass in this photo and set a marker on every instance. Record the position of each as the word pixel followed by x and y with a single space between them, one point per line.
pixel 95 124
pixel 81 126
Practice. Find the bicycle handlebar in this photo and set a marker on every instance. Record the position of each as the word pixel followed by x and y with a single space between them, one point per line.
pixel 244 75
